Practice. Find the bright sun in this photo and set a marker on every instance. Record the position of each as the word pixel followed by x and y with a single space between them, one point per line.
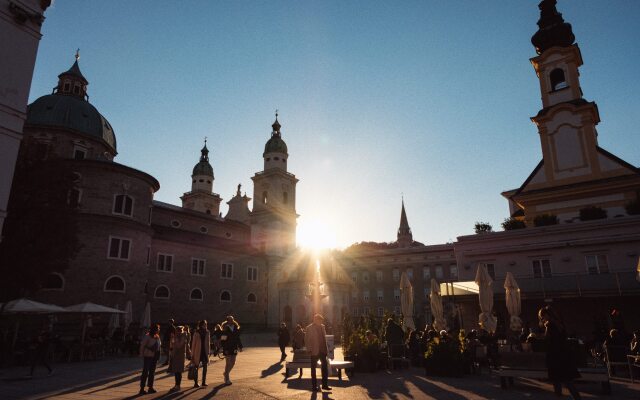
pixel 315 234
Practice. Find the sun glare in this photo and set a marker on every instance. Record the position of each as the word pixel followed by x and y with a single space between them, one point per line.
pixel 316 235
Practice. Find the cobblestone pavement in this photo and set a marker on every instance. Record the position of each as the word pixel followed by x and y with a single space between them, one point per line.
pixel 259 375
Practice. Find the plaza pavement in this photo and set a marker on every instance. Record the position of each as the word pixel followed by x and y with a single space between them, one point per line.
pixel 259 375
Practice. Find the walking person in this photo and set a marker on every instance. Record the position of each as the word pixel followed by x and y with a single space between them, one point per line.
pixel 560 363
pixel 179 351
pixel 316 341
pixel 41 352
pixel 217 334
pixel 167 340
pixel 200 350
pixel 283 340
pixel 150 351
pixel 231 344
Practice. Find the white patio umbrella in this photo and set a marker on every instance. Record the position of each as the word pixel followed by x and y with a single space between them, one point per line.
pixel 406 302
pixel 128 315
pixel 145 322
pixel 514 305
pixel 92 308
pixel 439 322
pixel 485 295
pixel 26 306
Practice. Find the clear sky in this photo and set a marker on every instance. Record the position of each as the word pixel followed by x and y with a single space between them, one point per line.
pixel 428 98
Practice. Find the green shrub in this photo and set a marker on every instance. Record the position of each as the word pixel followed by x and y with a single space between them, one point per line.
pixel 510 224
pixel 545 220
pixel 483 227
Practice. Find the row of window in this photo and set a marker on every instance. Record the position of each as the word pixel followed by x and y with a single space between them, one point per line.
pixel 163 292
pixel 379 311
pixel 541 267
pixel 426 273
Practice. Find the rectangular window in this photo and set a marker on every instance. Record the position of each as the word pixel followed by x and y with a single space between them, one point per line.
pixel 426 273
pixel 365 277
pixel 365 295
pixel 426 293
pixel 198 266
pixel 356 312
pixel 380 295
pixel 541 268
pixel 252 274
pixel 379 275
pixel 123 205
pixel 226 271
pixel 79 153
pixel 396 274
pixel 150 214
pixel 453 271
pixel 396 294
pixel 354 277
pixel 597 264
pixel 354 294
pixel 366 311
pixel 380 311
pixel 119 248
pixel 439 272
pixel 396 310
pixel 165 262
pixel 410 273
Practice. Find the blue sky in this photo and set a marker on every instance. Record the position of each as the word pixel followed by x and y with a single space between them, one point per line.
pixel 431 99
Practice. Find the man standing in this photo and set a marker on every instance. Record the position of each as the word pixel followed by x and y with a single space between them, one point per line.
pixel 231 344
pixel 167 340
pixel 316 341
pixel 283 340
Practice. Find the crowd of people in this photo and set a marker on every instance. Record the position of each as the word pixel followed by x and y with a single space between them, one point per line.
pixel 180 345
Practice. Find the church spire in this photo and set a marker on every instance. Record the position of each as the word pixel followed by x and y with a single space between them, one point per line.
pixel 552 30
pixel 405 237
pixel 72 82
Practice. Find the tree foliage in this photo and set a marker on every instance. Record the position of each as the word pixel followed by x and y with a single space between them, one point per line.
pixel 40 231
pixel 483 227
pixel 513 223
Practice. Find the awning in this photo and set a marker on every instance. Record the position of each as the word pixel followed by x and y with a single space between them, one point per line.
pixel 459 288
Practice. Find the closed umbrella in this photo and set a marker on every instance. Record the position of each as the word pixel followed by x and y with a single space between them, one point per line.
pixel 514 305
pixel 145 322
pixel 406 302
pixel 436 306
pixel 638 270
pixel 128 315
pixel 485 295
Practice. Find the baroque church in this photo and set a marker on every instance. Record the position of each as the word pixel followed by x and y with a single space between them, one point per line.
pixel 573 237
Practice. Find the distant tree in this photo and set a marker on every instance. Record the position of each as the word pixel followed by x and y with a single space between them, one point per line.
pixel 510 224
pixel 545 220
pixel 633 207
pixel 40 231
pixel 590 213
pixel 483 227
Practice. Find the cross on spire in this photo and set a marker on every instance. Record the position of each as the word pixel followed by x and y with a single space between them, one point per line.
pixel 78 54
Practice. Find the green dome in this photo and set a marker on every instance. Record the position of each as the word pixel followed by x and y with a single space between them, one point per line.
pixel 73 113
pixel 203 168
pixel 275 145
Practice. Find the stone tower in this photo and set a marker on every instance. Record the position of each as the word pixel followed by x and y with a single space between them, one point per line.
pixel 405 237
pixel 201 197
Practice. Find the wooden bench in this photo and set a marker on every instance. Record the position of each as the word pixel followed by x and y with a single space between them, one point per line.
pixel 302 360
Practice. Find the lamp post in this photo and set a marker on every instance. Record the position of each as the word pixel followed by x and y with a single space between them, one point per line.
pixel 316 292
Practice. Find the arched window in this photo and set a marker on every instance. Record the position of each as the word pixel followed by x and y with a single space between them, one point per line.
pixel 264 197
pixel 114 283
pixel 251 298
pixel 196 295
pixel 225 296
pixel 162 292
pixel 285 197
pixel 558 80
pixel 53 281
pixel 123 205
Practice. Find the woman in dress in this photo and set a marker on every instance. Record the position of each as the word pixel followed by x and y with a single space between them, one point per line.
pixel 560 362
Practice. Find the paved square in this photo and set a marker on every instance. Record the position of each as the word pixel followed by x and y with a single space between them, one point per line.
pixel 259 375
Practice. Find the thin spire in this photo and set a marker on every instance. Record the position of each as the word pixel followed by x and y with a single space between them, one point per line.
pixel 204 152
pixel 276 125
pixel 405 237
pixel 78 54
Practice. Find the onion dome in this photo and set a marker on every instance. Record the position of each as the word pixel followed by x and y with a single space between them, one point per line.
pixel 275 144
pixel 552 30
pixel 203 167
pixel 68 108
